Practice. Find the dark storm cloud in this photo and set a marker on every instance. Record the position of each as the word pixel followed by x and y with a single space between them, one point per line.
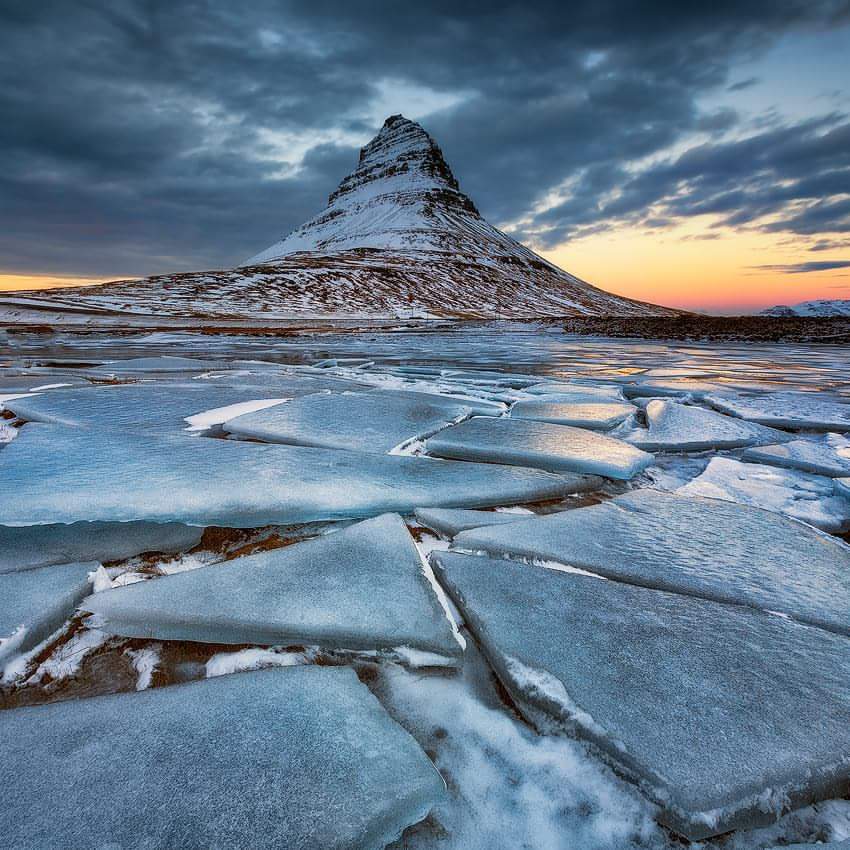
pixel 149 136
pixel 805 268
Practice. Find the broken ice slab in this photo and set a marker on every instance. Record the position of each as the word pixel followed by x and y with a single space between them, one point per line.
pixel 34 603
pixel 842 487
pixel 25 547
pixel 831 845
pixel 675 427
pixel 299 757
pixel 362 588
pixel 65 475
pixel 700 547
pixel 377 421
pixel 787 410
pixel 820 458
pixel 594 415
pixel 451 521
pixel 673 387
pixel 806 497
pixel 558 448
pixel 166 363
pixel 577 392
pixel 708 707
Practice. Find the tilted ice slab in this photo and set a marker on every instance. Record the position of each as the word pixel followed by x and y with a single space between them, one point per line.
pixel 34 603
pixel 677 427
pixel 539 444
pixel 708 707
pixel 576 392
pixel 594 415
pixel 828 458
pixel 25 547
pixel 787 410
pixel 302 757
pixel 842 487
pixel 65 475
pixel 700 547
pixel 362 588
pixel 166 363
pixel 377 421
pixel 673 388
pixel 806 497
pixel 451 521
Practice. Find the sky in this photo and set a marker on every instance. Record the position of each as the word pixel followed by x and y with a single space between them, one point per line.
pixel 696 157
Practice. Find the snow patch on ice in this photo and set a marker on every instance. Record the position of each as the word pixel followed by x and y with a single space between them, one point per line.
pixel 255 658
pixel 144 663
pixel 218 415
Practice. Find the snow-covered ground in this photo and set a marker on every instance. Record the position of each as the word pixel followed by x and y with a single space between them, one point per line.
pixel 644 648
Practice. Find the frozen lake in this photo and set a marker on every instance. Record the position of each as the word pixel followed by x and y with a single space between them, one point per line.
pixel 600 586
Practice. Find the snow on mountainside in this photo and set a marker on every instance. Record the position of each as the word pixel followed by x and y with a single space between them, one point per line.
pixel 810 308
pixel 397 238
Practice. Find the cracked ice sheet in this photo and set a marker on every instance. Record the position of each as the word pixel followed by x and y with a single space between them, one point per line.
pixel 788 410
pixel 597 416
pixel 252 731
pixel 377 421
pixel 539 444
pixel 34 603
pixel 63 475
pixel 806 497
pixel 656 681
pixel 677 427
pixel 362 588
pixel 830 457
pixel 701 547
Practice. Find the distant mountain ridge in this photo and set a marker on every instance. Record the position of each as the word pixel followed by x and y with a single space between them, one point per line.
pixel 397 239
pixel 823 307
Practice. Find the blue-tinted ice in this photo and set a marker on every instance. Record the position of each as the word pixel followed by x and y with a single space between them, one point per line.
pixel 302 758
pixel 451 521
pixel 66 475
pixel 787 410
pixel 820 458
pixel 539 444
pixel 598 416
pixel 701 547
pixel 34 603
pixel 726 717
pixel 362 588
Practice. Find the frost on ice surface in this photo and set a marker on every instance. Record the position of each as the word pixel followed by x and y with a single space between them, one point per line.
pixel 806 497
pixel 260 760
pixel 787 410
pixel 830 457
pixel 701 547
pixel 57 475
pixel 252 658
pixel 209 418
pixel 376 421
pixel 450 521
pixel 25 547
pixel 539 444
pixel 362 588
pixel 708 707
pixel 675 427
pixel 598 416
pixel 34 603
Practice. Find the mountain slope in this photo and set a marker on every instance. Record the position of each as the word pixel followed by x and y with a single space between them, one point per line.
pixel 397 238
pixel 823 307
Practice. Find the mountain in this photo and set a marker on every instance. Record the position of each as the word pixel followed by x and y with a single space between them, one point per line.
pixel 810 308
pixel 397 239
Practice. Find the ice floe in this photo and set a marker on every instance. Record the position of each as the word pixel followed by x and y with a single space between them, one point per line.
pixel 303 757
pixel 63 475
pixel 675 427
pixel 376 421
pixel 708 707
pixel 451 521
pixel 538 444
pixel 830 457
pixel 576 392
pixel 362 588
pixel 599 416
pixel 34 603
pixel 702 547
pixel 787 410
pixel 806 497
pixel 25 547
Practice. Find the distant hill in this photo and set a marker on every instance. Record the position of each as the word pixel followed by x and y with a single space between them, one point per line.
pixel 810 308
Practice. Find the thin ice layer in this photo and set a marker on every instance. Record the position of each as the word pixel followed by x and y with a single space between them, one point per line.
pixel 303 758
pixel 677 427
pixel 806 497
pixel 34 603
pixel 576 392
pixel 824 458
pixel 539 444
pixel 707 706
pixel 451 521
pixel 377 421
pixel 164 363
pixel 64 475
pixel 787 410
pixel 598 416
pixel 362 588
pixel 25 547
pixel 700 547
